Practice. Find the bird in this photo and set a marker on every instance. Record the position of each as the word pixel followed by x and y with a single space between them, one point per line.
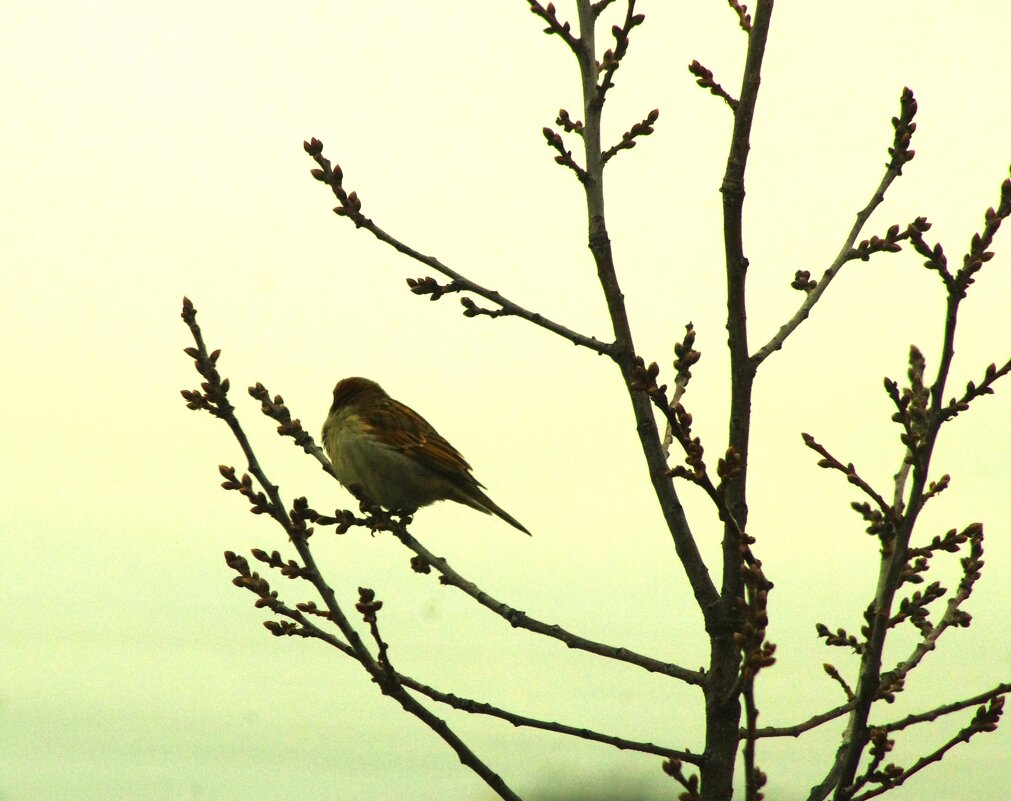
pixel 395 455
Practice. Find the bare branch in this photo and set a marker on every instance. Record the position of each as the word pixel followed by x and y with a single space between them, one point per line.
pixel 953 616
pixel 947 709
pixel 703 588
pixel 478 707
pixel 973 391
pixel 643 128
pixel 706 81
pixel 813 722
pixel 519 619
pixel 562 29
pixel 310 629
pixel 599 7
pixel 564 156
pixel 985 720
pixel 900 154
pixel 611 59
pixel 831 463
pixel 333 177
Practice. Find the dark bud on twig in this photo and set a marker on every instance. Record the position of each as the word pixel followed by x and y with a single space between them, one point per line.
pixel 564 156
pixel 471 309
pixel 705 79
pixel 282 628
pixel 562 29
pixel 889 244
pixel 643 128
pixel 743 17
pixel 802 280
pixel 729 465
pixel 419 564
pixel 672 767
pixel 904 127
pixel 367 604
pixel 429 286
pixel 568 124
pixel 840 638
pixel 644 378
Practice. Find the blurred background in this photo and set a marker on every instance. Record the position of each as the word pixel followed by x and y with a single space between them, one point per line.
pixel 154 150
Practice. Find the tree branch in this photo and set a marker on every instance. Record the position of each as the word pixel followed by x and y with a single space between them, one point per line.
pixel 947 709
pixel 519 619
pixel 306 628
pixel 985 720
pixel 813 722
pixel 477 707
pixel 350 207
pixel 900 155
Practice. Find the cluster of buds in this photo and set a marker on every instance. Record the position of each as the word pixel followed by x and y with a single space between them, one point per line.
pixel 274 408
pixel 348 203
pixel 904 126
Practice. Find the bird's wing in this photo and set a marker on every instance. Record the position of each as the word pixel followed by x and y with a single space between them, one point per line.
pixel 403 429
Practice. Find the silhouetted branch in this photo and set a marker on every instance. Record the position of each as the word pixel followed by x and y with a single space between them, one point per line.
pixel 478 707
pixel 830 462
pixel 947 709
pixel 985 720
pixel 899 155
pixel 350 207
pixel 643 128
pixel 611 59
pixel 519 619
pixel 564 156
pixel 705 79
pixel 556 27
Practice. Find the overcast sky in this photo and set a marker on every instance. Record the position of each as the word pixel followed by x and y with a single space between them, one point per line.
pixel 151 150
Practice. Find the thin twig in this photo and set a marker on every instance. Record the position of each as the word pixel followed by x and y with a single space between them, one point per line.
pixel 900 155
pixel 519 619
pixel 797 729
pixel 309 629
pixel 985 720
pixel 478 707
pixel 350 207
pixel 828 461
pixel 947 709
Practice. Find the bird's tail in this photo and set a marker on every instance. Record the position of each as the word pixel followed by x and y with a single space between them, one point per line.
pixel 478 500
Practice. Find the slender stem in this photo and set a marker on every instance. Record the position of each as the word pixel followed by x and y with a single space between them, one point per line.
pixel 833 269
pixel 522 620
pixel 811 723
pixel 310 629
pixel 468 705
pixel 509 307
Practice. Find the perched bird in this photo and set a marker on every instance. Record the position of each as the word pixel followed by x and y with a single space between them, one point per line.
pixel 395 455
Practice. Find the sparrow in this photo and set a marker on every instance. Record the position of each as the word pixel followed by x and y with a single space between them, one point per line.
pixel 395 455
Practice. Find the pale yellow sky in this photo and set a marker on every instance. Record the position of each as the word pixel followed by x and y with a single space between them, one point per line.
pixel 151 150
